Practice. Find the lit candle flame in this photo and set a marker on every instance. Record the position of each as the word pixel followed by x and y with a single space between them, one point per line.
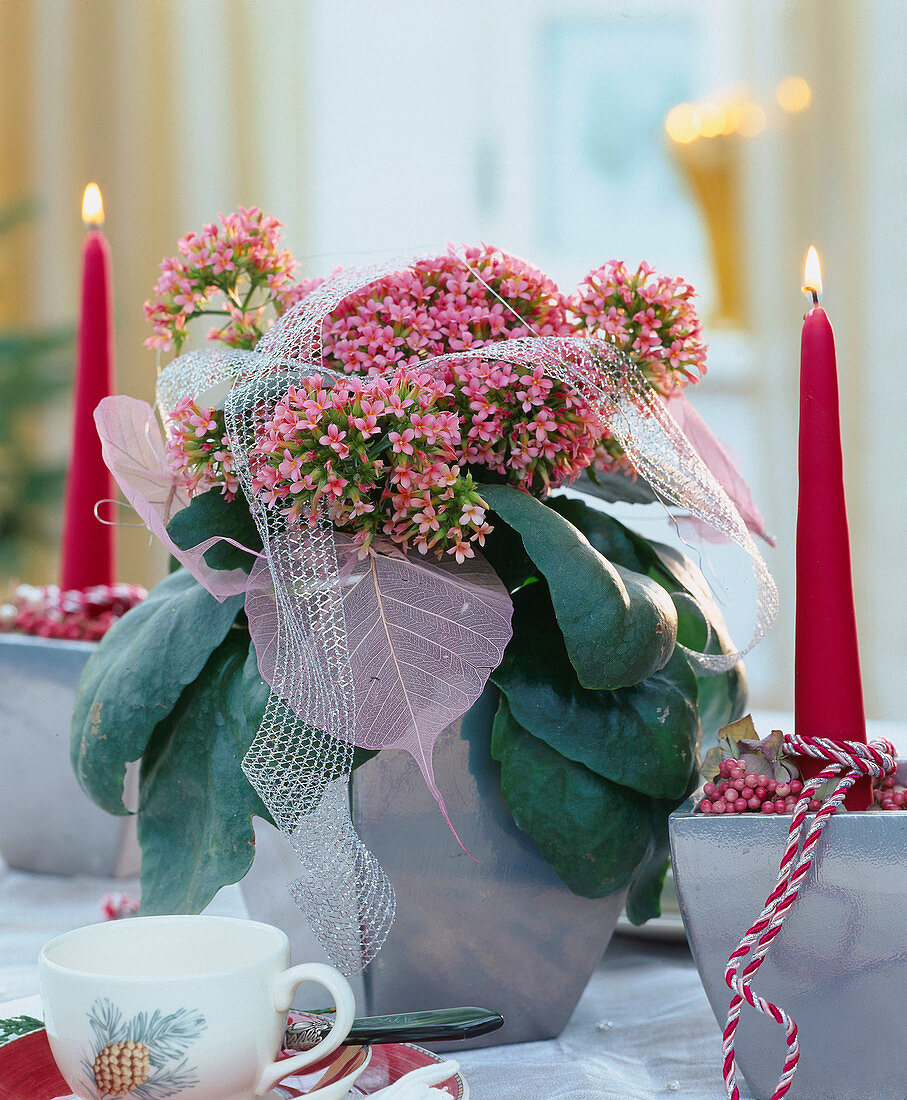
pixel 812 278
pixel 92 206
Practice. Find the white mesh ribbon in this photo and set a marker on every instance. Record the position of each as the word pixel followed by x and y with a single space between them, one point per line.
pixel 300 760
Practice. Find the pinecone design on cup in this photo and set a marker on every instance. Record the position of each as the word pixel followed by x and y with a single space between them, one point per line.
pixel 146 1056
pixel 122 1067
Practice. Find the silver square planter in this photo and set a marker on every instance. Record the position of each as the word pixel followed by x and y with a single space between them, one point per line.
pixel 47 822
pixel 504 933
pixel 839 965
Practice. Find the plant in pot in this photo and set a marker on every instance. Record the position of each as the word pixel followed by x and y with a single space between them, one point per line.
pixel 397 443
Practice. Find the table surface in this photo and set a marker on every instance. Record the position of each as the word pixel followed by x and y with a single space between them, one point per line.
pixel 643 1028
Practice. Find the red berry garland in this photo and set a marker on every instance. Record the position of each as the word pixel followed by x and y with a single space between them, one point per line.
pixel 75 615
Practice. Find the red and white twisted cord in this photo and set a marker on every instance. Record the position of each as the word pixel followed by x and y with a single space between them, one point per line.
pixel 847 761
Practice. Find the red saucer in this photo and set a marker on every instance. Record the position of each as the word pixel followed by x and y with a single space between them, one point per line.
pixel 28 1070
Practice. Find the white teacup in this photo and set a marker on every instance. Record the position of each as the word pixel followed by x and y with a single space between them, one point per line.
pixel 157 1007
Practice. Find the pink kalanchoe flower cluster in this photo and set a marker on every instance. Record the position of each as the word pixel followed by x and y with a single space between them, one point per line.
pixel 649 316
pixel 529 429
pixel 441 305
pixel 236 270
pixel 198 449
pixel 379 455
pixel 610 458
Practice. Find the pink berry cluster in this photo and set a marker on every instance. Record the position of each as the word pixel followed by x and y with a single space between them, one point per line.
pixel 74 615
pixel 441 305
pixel 888 794
pixel 739 791
pixel 235 270
pixel 649 316
pixel 380 453
pixel 198 449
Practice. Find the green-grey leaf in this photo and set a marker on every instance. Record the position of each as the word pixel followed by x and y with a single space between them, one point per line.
pixel 615 487
pixel 644 897
pixel 701 626
pixel 593 833
pixel 644 736
pixel 134 678
pixel 196 805
pixel 618 626
pixel 212 514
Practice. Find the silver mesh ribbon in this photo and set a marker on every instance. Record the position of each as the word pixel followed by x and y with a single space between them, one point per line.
pixel 300 760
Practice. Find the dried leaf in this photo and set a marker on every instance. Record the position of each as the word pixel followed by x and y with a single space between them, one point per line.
pixel 133 450
pixel 740 741
pixel 424 636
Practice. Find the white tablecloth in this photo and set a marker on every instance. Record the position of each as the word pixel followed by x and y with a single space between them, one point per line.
pixel 643 1028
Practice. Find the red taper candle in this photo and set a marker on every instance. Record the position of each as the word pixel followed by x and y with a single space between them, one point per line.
pixel 88 544
pixel 828 691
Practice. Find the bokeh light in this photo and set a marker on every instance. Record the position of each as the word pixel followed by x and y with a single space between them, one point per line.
pixel 709 118
pixel 681 125
pixel 793 94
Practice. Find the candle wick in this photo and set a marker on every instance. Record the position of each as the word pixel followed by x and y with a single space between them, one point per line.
pixel 815 295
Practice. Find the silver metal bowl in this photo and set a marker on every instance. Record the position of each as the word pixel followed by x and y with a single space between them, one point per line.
pixel 47 823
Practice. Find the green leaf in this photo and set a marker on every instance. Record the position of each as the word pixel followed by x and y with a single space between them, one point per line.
pixel 212 514
pixel 618 626
pixel 644 736
pixel 134 678
pixel 644 897
pixel 255 692
pixel 506 554
pixel 196 805
pixel 615 487
pixel 701 626
pixel 594 833
pixel 722 697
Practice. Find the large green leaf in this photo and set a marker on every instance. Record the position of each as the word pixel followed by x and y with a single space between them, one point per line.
pixel 594 833
pixel 701 626
pixel 134 678
pixel 644 736
pixel 196 805
pixel 618 626
pixel 644 898
pixel 212 514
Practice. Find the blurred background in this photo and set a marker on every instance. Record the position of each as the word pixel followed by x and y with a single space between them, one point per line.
pixel 716 139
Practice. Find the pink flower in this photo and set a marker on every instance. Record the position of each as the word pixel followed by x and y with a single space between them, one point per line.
pixel 402 441
pixel 378 453
pixel 649 316
pixel 238 264
pixel 198 449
